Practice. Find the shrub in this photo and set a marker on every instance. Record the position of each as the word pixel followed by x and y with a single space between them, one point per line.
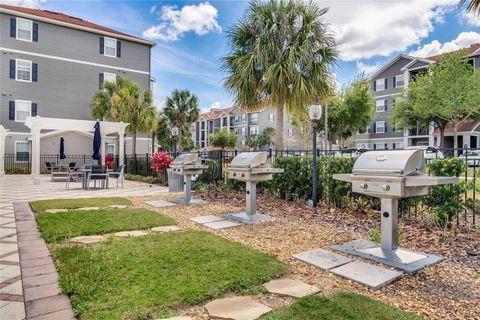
pixel 18 170
pixel 150 179
pixel 161 161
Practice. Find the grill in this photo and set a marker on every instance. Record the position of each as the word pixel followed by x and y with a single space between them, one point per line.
pixel 390 176
pixel 251 167
pixel 187 165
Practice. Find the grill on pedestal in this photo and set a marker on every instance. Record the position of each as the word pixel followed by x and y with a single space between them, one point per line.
pixel 186 165
pixel 251 167
pixel 391 175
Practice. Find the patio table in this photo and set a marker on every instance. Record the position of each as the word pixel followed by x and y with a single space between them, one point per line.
pixel 85 172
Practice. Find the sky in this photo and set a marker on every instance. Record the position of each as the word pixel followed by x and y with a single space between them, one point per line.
pixel 191 35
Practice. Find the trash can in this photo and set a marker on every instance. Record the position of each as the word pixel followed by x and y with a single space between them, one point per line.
pixel 175 181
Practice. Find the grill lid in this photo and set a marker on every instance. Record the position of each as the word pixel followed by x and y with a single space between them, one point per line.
pixel 249 160
pixel 390 163
pixel 186 158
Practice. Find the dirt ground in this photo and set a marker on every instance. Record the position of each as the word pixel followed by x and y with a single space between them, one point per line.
pixel 448 290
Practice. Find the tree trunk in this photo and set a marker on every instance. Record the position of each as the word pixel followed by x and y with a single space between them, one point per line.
pixel 442 137
pixel 134 142
pixel 279 126
pixel 153 142
pixel 455 139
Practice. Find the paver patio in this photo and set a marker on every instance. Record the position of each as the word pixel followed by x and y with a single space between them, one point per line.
pixel 14 293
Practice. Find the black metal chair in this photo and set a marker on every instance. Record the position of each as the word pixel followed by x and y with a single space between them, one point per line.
pixel 72 166
pixel 50 167
pixel 98 173
pixel 118 174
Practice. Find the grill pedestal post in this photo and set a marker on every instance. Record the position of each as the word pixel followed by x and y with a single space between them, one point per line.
pixel 389 223
pixel 187 188
pixel 251 194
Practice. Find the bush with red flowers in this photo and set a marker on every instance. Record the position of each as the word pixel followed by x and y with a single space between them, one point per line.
pixel 160 161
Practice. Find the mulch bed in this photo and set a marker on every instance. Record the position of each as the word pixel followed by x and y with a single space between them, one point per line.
pixel 449 290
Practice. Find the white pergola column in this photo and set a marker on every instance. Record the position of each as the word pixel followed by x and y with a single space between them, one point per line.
pixel 35 170
pixel 3 136
pixel 121 147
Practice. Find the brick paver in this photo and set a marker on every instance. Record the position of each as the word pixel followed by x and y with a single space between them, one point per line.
pixel 28 279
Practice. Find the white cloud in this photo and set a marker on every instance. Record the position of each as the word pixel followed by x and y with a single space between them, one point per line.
pixel 24 3
pixel 463 40
pixel 381 27
pixel 153 9
pixel 470 18
pixel 200 18
pixel 368 69
pixel 215 105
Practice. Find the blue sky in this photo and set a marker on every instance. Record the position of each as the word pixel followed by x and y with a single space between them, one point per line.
pixel 190 35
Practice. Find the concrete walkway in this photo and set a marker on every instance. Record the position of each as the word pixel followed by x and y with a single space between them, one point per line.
pixel 14 188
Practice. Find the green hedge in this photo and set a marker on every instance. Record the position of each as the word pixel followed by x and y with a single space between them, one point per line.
pixel 18 170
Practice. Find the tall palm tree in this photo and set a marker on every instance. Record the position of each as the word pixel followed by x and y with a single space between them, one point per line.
pixel 137 108
pixel 473 6
pixel 105 103
pixel 281 55
pixel 181 109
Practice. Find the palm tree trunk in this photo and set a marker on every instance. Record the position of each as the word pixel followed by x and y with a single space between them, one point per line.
pixel 279 126
pixel 153 142
pixel 134 142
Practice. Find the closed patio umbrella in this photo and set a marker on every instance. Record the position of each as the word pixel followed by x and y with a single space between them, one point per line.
pixel 97 140
pixel 62 148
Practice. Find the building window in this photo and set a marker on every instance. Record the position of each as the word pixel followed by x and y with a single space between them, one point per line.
pixel 271 117
pixel 22 151
pixel 236 118
pixel 243 142
pixel 380 146
pixel 254 130
pixel 244 117
pixel 380 84
pixel 399 81
pixel 23 109
pixel 380 127
pixel 24 29
pixel 110 47
pixel 244 130
pixel 111 148
pixel 290 132
pixel 254 117
pixel 110 77
pixel 23 70
pixel 380 105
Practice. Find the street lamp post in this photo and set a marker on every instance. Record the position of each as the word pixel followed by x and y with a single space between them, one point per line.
pixel 315 112
pixel 174 132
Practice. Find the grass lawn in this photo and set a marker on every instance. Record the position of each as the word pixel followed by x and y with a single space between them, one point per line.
pixel 56 227
pixel 140 278
pixel 339 306
pixel 39 206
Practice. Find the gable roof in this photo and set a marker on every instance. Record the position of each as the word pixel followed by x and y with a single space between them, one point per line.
pixel 215 113
pixel 465 51
pixel 391 62
pixel 411 63
pixel 462 126
pixel 69 21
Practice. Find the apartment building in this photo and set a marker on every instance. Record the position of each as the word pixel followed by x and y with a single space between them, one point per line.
pixel 52 64
pixel 387 84
pixel 242 124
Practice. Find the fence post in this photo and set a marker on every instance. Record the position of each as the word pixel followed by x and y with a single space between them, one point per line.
pixel 136 165
pixel 147 167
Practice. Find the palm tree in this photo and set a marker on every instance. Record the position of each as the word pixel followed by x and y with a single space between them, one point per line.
pixel 137 108
pixel 281 54
pixel 473 6
pixel 105 103
pixel 181 110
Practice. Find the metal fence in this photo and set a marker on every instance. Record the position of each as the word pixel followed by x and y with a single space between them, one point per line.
pixel 140 164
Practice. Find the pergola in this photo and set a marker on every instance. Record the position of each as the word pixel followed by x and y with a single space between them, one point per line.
pixel 36 124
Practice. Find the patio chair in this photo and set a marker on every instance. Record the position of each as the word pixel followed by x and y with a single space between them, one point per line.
pixel 98 173
pixel 72 176
pixel 50 167
pixel 118 174
pixel 72 166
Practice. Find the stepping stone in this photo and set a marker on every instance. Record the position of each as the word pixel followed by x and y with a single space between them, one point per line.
pixel 127 234
pixel 323 259
pixel 236 308
pixel 207 219
pixel 369 275
pixel 165 229
pixel 118 206
pixel 88 239
pixel 290 287
pixel 191 202
pixel 55 210
pixel 222 224
pixel 177 318
pixel 159 203
pixel 87 208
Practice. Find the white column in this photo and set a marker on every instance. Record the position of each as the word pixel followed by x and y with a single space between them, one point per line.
pixel 103 148
pixel 35 154
pixel 431 131
pixel 3 135
pixel 228 122
pixel 121 147
pixel 405 139
pixel 466 140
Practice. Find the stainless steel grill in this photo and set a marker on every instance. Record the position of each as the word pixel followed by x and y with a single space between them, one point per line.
pixel 391 175
pixel 187 165
pixel 251 167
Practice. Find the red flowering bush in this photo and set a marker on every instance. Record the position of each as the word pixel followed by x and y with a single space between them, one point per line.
pixel 160 161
